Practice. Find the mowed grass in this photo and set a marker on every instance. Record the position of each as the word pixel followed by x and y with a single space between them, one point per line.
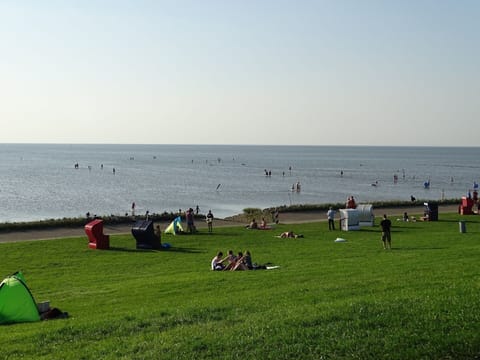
pixel 328 300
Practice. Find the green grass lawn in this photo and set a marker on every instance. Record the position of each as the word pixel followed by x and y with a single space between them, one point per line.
pixel 328 300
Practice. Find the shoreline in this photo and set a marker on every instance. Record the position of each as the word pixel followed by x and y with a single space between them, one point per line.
pixel 292 217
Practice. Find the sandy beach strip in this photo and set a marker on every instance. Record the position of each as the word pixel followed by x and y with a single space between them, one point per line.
pixel 285 218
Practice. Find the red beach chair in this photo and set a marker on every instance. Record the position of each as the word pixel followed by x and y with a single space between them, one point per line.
pixel 97 239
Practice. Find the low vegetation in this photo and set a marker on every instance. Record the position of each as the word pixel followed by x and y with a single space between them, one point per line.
pixel 376 205
pixel 248 213
pixel 75 222
pixel 256 213
pixel 328 300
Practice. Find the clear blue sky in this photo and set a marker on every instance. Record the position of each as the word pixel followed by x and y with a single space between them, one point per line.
pixel 241 72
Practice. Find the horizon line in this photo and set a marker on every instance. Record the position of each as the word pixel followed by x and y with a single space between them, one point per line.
pixel 239 144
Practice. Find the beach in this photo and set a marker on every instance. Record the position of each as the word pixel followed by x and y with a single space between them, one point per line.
pixel 296 217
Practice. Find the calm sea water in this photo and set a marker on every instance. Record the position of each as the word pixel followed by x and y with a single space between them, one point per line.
pixel 41 182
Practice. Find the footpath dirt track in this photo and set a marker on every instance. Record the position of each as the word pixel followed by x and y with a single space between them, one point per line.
pixel 285 218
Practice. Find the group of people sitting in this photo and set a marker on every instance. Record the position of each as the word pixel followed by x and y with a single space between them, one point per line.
pixel 234 262
pixel 351 204
pixel 254 225
pixel 408 218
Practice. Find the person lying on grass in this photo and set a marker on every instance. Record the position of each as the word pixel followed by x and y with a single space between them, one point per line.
pixel 290 234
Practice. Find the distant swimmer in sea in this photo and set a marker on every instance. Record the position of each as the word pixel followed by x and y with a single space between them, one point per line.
pixel 375 183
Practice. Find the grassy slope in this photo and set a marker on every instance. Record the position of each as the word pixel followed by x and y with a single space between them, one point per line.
pixel 328 300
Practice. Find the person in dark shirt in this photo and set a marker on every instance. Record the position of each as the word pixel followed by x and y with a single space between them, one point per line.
pixel 209 219
pixel 386 224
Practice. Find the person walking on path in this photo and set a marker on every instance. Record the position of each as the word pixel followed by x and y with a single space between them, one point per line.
pixel 331 218
pixel 386 224
pixel 277 216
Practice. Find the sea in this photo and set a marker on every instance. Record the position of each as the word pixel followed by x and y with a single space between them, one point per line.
pixel 55 181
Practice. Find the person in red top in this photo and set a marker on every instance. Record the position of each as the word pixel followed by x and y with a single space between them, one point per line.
pixel 351 203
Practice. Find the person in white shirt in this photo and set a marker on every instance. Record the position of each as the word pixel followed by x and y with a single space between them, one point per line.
pixel 217 262
pixel 331 219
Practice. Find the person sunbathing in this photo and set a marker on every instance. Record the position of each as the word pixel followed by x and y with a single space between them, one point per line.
pixel 290 234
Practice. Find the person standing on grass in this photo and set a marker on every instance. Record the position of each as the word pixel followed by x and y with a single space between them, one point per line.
pixel 158 233
pixel 331 218
pixel 209 219
pixel 276 216
pixel 190 221
pixel 386 224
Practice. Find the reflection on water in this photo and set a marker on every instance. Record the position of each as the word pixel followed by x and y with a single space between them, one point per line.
pixel 40 181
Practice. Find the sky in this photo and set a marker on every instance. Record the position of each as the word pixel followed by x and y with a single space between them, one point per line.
pixel 272 72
